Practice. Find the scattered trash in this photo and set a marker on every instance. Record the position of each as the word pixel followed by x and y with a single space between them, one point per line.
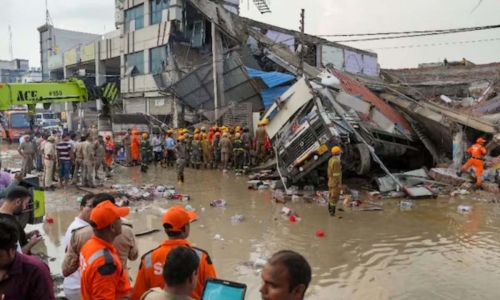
pixel 295 198
pixel 454 193
pixel 218 203
pixel 463 192
pixel 293 219
pixel 464 208
pixel 286 211
pixel 405 204
pixel 218 237
pixel 320 233
pixel 263 187
pixel 202 209
pixel 50 220
pixel 354 194
pixel 237 218
pixel 189 208
pixel 373 194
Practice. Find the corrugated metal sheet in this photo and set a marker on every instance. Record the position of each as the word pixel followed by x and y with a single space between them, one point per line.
pixel 490 106
pixel 269 95
pixel 137 105
pixel 355 88
pixel 196 89
pixel 271 79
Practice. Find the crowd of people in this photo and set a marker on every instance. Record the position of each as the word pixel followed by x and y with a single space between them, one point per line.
pixel 67 155
pixel 225 147
pixel 98 245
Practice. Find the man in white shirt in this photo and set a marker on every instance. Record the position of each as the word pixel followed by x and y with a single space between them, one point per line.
pixel 71 283
pixel 157 144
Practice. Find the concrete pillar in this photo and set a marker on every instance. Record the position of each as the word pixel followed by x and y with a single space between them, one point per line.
pixel 218 70
pixel 147 15
pixel 100 77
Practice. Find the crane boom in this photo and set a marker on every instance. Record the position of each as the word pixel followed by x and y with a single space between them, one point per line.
pixel 72 90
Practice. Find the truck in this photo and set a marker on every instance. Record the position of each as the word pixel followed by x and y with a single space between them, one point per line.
pixel 20 95
pixel 28 95
pixel 312 116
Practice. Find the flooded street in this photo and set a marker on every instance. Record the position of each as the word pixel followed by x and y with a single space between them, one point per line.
pixel 429 252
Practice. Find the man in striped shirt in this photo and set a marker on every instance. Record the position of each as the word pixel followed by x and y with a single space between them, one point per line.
pixel 65 158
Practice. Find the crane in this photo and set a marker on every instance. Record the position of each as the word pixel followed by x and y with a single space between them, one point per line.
pixel 73 90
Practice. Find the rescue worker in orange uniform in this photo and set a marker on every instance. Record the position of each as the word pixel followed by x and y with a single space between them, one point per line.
pixel 110 150
pixel 176 223
pixel 334 179
pixel 102 274
pixel 477 153
pixel 134 146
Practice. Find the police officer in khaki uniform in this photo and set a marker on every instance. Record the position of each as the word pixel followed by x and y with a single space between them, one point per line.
pixel 125 243
pixel 78 160
pixel 88 161
pixel 127 144
pixel 27 151
pixel 99 151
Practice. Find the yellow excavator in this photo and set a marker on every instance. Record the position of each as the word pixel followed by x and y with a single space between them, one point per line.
pixel 30 94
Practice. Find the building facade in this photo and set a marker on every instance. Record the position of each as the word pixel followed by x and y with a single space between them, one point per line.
pixel 11 69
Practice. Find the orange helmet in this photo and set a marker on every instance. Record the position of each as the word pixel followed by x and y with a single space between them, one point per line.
pixel 204 136
pixel 336 150
pixel 108 137
pixel 145 135
pixel 196 130
pixel 480 141
pixel 196 136
pixel 134 132
pixel 217 133
pixel 181 138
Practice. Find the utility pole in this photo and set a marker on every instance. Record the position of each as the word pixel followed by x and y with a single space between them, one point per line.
pixel 300 70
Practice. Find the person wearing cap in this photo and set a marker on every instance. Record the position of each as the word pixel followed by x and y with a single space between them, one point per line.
pixel 94 131
pixel 27 151
pixel 102 273
pixel 238 154
pixel 334 179
pixel 125 243
pixel 99 152
pixel 180 274
pixel 170 149
pixel 216 149
pixel 176 223
pixel 206 147
pixel 134 146
pixel 476 160
pixel 110 151
pixel 260 139
pixel 181 154
pixel 196 151
pixel 127 141
pixel 225 149
pixel 49 156
pixel 88 161
pixel 78 160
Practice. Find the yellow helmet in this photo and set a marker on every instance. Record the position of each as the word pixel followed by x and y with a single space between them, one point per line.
pixel 196 130
pixel 170 131
pixel 265 121
pixel 238 128
pixel 184 130
pixel 145 135
pixel 336 150
pixel 237 135
pixel 204 135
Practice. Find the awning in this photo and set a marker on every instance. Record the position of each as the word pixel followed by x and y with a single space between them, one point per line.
pixel 271 79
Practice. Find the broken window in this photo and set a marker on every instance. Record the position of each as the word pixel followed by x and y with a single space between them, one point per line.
pixel 134 63
pixel 158 57
pixel 156 8
pixel 195 27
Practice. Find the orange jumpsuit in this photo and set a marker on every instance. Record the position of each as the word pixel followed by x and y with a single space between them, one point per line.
pixel 110 150
pixel 477 152
pixel 135 147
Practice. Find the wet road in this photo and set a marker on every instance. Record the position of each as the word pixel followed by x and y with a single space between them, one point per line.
pixel 428 252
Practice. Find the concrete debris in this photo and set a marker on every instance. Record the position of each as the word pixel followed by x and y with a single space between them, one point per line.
pixel 237 218
pixel 448 176
pixel 420 192
pixel 218 203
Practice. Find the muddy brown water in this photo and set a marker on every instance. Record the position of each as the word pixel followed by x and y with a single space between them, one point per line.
pixel 429 252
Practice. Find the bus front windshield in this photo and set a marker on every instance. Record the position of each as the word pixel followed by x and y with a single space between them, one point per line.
pixel 19 120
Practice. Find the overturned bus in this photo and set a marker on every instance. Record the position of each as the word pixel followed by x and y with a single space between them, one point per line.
pixel 333 109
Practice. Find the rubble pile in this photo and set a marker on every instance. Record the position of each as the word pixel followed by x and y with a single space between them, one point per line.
pixel 129 192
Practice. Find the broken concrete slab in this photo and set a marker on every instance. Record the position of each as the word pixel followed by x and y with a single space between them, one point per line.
pixel 387 184
pixel 447 176
pixel 420 192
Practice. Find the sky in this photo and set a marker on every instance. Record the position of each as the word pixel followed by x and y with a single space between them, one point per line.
pixel 322 17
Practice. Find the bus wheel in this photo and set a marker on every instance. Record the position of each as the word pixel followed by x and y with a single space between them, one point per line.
pixel 362 158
